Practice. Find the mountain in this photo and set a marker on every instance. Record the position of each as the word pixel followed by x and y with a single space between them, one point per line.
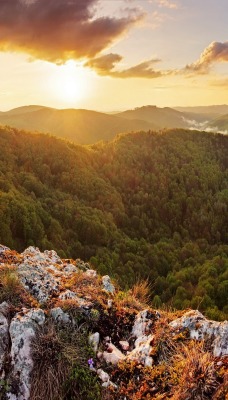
pixel 80 126
pixel 215 110
pixel 162 117
pixel 69 333
pixel 87 127
pixel 168 117
pixel 23 110
pixel 150 205
pixel 219 124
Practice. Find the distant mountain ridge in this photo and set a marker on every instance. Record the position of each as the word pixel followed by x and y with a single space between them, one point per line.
pixel 215 109
pixel 87 127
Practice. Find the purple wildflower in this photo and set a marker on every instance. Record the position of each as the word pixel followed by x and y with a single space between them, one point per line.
pixel 91 363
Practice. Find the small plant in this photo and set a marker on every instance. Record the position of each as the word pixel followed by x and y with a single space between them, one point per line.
pixel 82 384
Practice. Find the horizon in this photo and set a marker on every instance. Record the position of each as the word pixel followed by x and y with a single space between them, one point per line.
pixel 112 111
pixel 113 55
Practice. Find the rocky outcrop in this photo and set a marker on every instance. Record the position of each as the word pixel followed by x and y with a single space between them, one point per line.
pixel 130 339
pixel 200 328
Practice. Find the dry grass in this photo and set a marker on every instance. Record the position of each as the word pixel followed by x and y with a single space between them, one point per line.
pixel 60 356
pixel 11 289
pixel 141 290
pixel 194 372
pixel 50 367
pixel 135 299
pixel 9 283
pixel 54 356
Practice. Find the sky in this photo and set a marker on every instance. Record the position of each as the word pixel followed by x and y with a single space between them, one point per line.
pixel 111 55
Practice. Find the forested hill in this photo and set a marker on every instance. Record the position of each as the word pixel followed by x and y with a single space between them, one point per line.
pixel 144 205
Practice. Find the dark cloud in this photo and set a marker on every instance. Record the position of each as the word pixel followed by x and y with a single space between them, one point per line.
pixel 58 30
pixel 215 52
pixel 105 65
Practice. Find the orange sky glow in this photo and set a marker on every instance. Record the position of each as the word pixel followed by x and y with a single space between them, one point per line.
pixel 111 55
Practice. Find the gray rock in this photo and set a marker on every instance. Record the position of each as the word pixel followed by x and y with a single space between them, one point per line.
pixel 37 281
pixel 68 295
pixel 113 355
pixel 91 272
pixel 103 375
pixel 22 330
pixel 4 337
pixel 3 249
pixel 124 344
pixel 70 269
pixel 107 285
pixel 94 339
pixel 144 339
pixel 60 316
pixel 201 328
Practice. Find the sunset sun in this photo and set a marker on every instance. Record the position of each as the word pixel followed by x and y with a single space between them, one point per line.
pixel 68 83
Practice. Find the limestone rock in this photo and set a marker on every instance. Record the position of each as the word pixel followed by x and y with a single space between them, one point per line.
pixel 68 295
pixel 113 355
pixel 60 316
pixel 124 344
pixel 37 281
pixel 70 269
pixel 201 328
pixel 22 330
pixel 107 285
pixel 91 272
pixel 143 343
pixel 142 324
pixel 4 337
pixel 94 339
pixel 103 375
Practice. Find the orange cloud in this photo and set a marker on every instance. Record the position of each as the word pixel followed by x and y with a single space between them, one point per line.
pixel 215 52
pixel 105 65
pixel 58 30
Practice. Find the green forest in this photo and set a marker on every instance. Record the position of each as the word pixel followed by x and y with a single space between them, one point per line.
pixel 148 205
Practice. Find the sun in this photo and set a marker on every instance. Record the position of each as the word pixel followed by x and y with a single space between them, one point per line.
pixel 68 83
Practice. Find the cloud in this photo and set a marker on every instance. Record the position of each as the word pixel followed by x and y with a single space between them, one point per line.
pixel 215 52
pixel 58 30
pixel 165 3
pixel 105 65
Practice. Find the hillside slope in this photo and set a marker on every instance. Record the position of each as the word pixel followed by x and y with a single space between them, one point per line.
pixel 220 124
pixel 151 205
